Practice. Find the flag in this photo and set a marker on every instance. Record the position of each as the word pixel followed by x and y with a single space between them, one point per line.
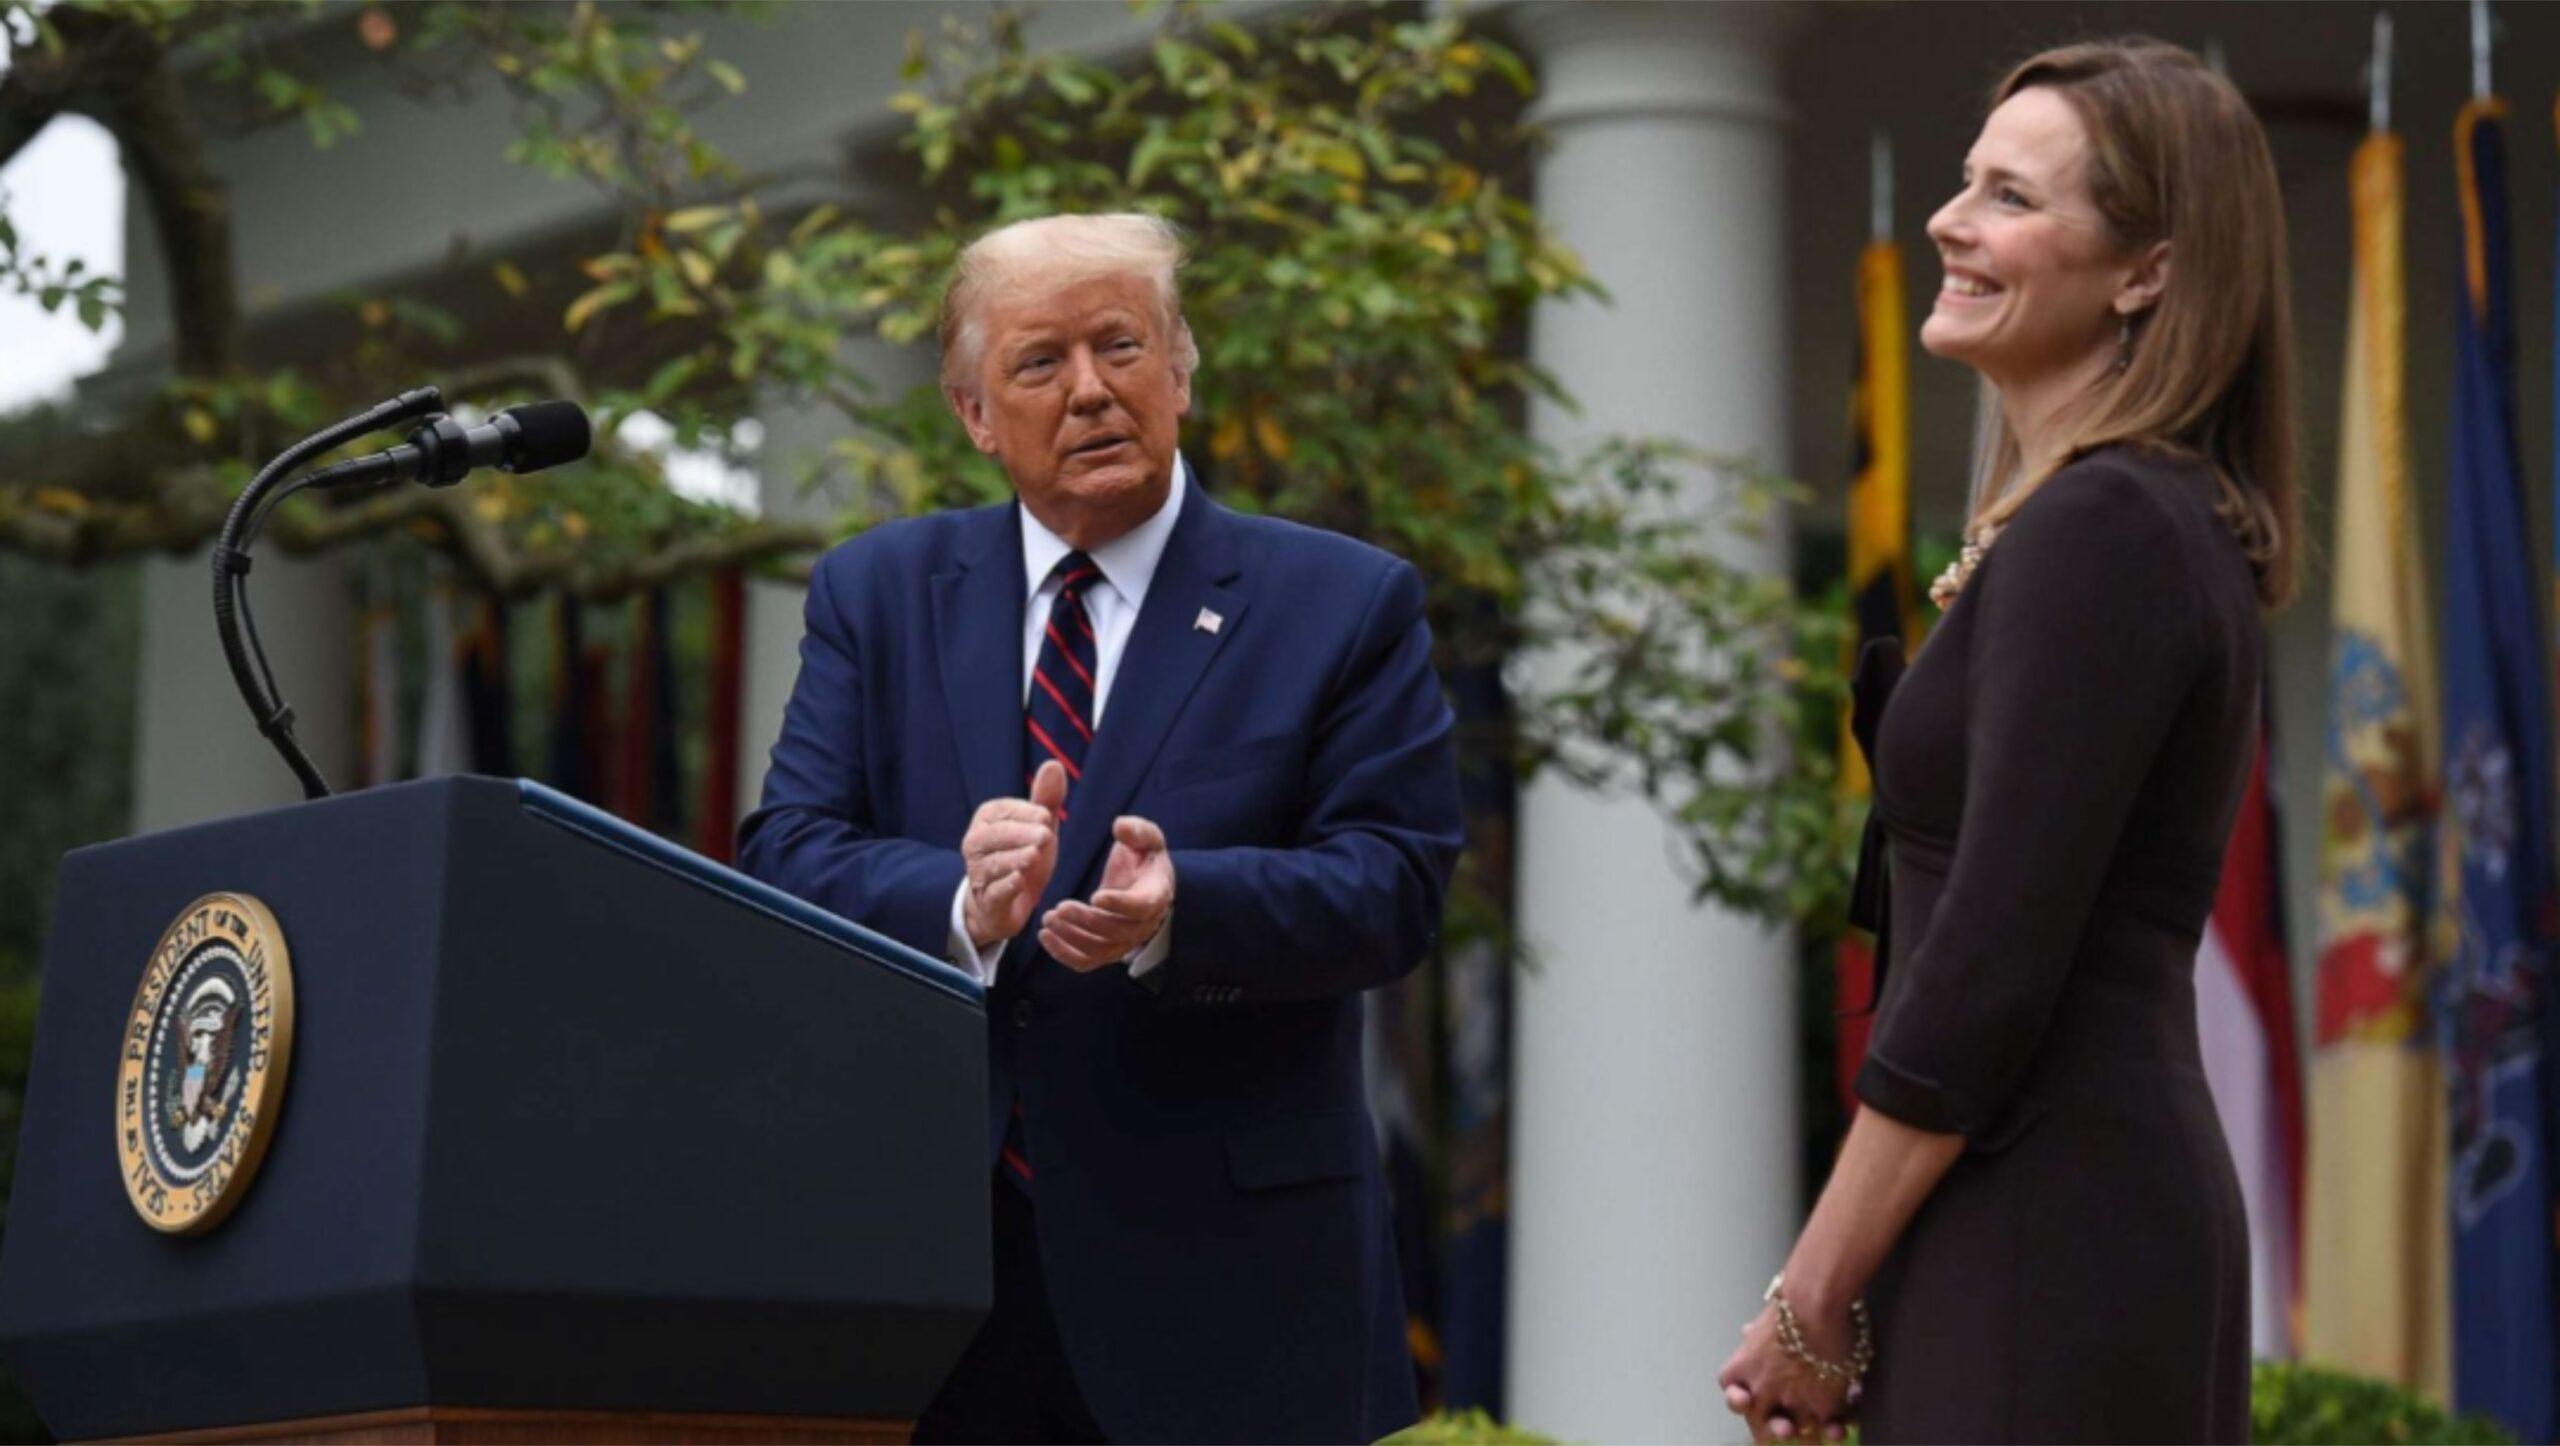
pixel 2551 1013
pixel 570 765
pixel 2501 908
pixel 1475 1104
pixel 1397 1059
pixel 650 787
pixel 2244 1018
pixel 443 730
pixel 2374 1289
pixel 379 711
pixel 715 822
pixel 596 731
pixel 1880 592
pixel 1475 1278
pixel 490 692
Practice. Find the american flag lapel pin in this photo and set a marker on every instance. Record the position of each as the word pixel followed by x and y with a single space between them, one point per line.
pixel 1208 622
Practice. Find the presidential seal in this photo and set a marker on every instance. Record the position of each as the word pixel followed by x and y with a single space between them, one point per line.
pixel 205 1053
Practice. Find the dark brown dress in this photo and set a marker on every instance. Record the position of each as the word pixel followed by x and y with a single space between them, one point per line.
pixel 2057 775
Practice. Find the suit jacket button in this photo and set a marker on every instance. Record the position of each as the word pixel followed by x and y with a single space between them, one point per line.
pixel 1022 1014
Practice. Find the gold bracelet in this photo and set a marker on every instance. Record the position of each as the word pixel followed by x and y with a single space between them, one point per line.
pixel 1862 1351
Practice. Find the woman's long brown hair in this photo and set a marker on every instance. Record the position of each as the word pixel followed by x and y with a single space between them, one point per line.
pixel 2175 154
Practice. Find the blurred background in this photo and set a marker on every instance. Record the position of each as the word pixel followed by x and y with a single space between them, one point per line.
pixel 1601 312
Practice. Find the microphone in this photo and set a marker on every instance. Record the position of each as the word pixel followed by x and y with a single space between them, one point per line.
pixel 520 439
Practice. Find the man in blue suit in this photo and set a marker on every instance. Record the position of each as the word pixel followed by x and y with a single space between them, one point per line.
pixel 1178 784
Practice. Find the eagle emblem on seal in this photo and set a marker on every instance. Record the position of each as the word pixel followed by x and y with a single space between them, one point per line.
pixel 200 1095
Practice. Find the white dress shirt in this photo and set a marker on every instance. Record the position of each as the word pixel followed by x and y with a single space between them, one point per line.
pixel 1111 603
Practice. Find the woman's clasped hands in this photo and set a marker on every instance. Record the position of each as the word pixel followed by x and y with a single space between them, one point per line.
pixel 1781 1395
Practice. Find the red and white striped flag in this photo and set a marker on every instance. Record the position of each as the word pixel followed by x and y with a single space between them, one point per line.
pixel 2244 1017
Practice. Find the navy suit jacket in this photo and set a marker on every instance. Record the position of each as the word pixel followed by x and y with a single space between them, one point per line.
pixel 1212 1221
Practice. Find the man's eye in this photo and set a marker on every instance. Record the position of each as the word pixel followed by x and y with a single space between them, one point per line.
pixel 2008 196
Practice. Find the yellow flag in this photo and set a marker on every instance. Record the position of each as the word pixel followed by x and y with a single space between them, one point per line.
pixel 2376 1232
pixel 1880 593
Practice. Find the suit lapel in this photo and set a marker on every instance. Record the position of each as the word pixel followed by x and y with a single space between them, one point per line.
pixel 1167 652
pixel 977 625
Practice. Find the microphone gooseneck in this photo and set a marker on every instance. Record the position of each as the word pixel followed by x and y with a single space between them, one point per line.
pixel 520 439
pixel 231 569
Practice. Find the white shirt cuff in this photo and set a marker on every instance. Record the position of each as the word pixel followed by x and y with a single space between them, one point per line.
pixel 1152 953
pixel 964 950
pixel 964 954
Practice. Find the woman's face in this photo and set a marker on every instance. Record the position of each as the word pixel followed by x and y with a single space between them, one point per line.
pixel 2033 272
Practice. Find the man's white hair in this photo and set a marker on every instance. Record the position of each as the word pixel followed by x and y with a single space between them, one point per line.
pixel 1052 251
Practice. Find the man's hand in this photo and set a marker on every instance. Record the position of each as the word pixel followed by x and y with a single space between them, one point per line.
pixel 1126 912
pixel 1010 849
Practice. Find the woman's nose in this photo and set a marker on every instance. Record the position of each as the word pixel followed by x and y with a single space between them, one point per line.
pixel 1947 225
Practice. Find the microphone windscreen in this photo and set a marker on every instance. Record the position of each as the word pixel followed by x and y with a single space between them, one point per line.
pixel 548 434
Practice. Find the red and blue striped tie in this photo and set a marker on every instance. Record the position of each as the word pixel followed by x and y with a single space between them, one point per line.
pixel 1057 718
pixel 1057 722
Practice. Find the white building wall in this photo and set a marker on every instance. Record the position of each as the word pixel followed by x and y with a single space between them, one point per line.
pixel 198 755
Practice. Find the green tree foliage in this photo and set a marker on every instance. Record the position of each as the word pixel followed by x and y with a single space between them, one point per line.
pixel 68 649
pixel 1364 269
pixel 18 1419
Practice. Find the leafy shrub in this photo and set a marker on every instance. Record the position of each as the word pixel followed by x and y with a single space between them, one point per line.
pixel 2291 1404
pixel 1464 1428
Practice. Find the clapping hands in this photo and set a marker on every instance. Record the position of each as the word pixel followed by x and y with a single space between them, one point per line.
pixel 1126 912
pixel 1011 850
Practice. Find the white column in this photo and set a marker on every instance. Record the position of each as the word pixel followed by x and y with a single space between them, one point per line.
pixel 197 753
pixel 1654 1156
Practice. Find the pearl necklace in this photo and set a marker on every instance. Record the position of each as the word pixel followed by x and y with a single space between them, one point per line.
pixel 1950 582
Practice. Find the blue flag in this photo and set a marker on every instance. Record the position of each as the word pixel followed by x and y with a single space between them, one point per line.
pixel 2500 903
pixel 2551 997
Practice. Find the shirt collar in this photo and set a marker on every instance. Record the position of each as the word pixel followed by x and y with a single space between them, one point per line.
pixel 1128 562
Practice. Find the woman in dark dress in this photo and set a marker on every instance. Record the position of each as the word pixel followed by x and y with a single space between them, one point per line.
pixel 2036 1203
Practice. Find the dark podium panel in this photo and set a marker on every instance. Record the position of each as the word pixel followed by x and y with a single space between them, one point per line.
pixel 575 1121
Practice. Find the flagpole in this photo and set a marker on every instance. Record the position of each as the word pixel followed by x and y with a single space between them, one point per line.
pixel 2480 43
pixel 1880 187
pixel 2378 74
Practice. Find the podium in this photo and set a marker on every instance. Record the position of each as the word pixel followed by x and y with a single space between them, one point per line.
pixel 579 1136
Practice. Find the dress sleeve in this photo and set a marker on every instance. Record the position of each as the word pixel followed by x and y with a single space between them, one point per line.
pixel 2087 638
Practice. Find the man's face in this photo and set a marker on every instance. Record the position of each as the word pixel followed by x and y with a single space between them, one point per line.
pixel 1076 394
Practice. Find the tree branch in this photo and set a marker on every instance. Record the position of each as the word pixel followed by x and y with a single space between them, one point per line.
pixel 485 552
pixel 116 71
pixel 25 110
pixel 58 527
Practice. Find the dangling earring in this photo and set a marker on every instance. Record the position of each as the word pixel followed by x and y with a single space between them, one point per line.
pixel 2124 342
